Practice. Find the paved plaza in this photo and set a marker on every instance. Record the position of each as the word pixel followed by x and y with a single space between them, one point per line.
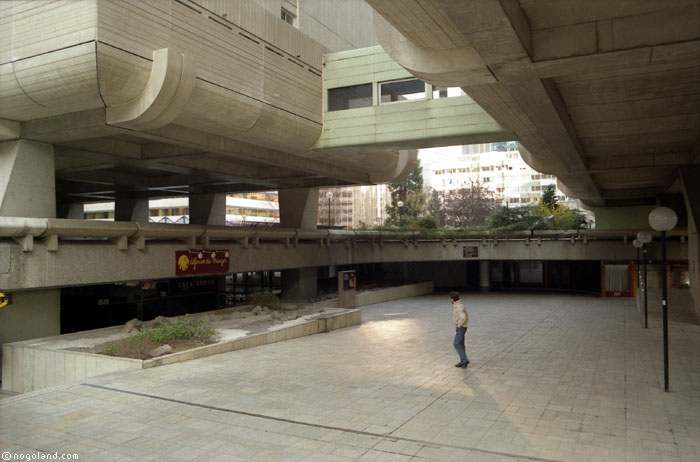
pixel 552 378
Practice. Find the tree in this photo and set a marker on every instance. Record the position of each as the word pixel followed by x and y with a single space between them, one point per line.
pixel 410 193
pixel 525 217
pixel 561 217
pixel 549 197
pixel 470 206
pixel 434 207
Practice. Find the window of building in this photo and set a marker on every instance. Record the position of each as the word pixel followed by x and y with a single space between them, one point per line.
pixel 288 17
pixel 352 97
pixel 447 92
pixel 505 146
pixel 402 90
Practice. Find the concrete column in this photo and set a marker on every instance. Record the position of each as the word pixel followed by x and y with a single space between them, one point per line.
pixel 27 180
pixel 28 189
pixel 208 209
pixel 74 211
pixel 299 284
pixel 690 178
pixel 32 314
pixel 298 208
pixel 127 209
pixel 484 281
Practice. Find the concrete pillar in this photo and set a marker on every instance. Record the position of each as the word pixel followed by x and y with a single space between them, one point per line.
pixel 484 281
pixel 127 209
pixel 28 189
pixel 298 208
pixel 27 180
pixel 208 209
pixel 74 211
pixel 690 178
pixel 299 284
pixel 32 314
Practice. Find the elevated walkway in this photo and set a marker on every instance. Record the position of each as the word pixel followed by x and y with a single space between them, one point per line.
pixel 372 104
pixel 49 253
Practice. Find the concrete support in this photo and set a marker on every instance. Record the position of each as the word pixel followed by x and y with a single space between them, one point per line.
pixel 74 211
pixel 484 280
pixel 298 208
pixel 208 209
pixel 28 189
pixel 32 314
pixel 299 284
pixel 27 181
pixel 690 178
pixel 126 209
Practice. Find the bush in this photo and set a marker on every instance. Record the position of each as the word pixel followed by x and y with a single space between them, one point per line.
pixel 426 223
pixel 138 345
pixel 265 298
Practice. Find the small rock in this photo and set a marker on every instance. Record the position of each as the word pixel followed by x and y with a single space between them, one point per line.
pixel 297 316
pixel 321 310
pixel 257 310
pixel 275 316
pixel 237 315
pixel 163 321
pixel 265 310
pixel 132 325
pixel 160 351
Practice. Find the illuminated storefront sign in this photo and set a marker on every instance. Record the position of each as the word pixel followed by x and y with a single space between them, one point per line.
pixel 189 262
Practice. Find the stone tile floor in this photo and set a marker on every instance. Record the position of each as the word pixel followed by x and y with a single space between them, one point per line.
pixel 552 378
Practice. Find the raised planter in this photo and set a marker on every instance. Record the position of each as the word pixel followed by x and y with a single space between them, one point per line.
pixel 34 364
pixel 27 366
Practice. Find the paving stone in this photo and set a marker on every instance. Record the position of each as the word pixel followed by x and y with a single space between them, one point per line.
pixel 556 377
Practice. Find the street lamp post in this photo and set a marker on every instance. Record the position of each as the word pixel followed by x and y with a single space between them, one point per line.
pixel 644 237
pixel 664 219
pixel 399 204
pixel 329 196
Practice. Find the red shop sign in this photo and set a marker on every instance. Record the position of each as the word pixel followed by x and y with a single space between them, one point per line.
pixel 189 262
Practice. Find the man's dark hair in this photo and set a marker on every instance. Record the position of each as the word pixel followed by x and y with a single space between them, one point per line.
pixel 454 295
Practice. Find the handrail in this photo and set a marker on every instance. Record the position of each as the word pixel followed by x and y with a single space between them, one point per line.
pixel 20 227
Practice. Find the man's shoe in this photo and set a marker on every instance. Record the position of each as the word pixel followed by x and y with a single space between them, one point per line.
pixel 462 365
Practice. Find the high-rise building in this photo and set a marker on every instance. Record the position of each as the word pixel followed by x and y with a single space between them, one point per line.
pixel 497 166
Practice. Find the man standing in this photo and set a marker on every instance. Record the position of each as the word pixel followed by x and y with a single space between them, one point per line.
pixel 461 319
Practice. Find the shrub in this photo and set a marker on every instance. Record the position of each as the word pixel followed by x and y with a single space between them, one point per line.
pixel 138 345
pixel 265 298
pixel 426 223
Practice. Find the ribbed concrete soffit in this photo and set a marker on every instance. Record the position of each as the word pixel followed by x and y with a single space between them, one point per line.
pixel 605 95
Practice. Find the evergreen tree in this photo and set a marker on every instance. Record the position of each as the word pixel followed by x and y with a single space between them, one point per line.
pixel 410 193
pixel 434 208
pixel 549 197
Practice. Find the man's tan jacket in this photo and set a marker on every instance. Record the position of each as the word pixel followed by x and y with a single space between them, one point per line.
pixel 461 317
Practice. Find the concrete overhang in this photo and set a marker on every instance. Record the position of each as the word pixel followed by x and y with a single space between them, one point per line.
pixel 604 95
pixel 148 99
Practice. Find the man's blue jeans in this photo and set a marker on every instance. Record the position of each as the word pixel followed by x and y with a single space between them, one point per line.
pixel 459 344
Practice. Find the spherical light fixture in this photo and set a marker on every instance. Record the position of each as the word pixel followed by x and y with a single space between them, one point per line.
pixel 663 219
pixel 637 243
pixel 644 237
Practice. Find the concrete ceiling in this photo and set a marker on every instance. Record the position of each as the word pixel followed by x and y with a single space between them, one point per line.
pixel 604 95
